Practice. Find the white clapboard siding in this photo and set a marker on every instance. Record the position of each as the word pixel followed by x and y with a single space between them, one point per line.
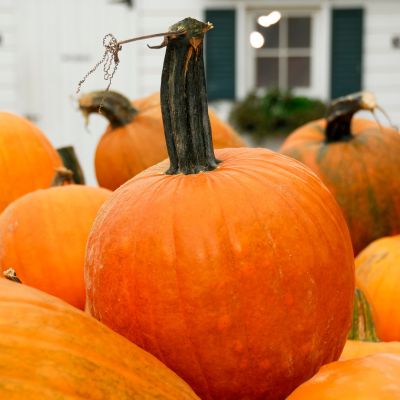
pixel 8 75
pixel 381 59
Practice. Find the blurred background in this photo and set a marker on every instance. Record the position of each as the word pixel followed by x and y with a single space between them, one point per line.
pixel 270 65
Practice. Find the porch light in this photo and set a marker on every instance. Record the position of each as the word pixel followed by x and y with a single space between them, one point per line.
pixel 270 19
pixel 256 40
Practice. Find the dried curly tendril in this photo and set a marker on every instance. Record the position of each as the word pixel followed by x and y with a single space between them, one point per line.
pixel 110 58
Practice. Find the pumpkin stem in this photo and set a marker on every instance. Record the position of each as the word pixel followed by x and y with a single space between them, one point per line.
pixel 184 100
pixel 341 111
pixel 70 161
pixel 363 327
pixel 114 106
pixel 63 176
pixel 11 275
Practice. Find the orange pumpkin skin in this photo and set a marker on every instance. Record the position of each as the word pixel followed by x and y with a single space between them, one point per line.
pixel 378 276
pixel 358 349
pixel 369 378
pixel 239 279
pixel 126 150
pixel 43 237
pixel 27 159
pixel 50 350
pixel 361 173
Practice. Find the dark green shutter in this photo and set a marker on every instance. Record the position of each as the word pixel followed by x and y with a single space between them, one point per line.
pixel 220 54
pixel 347 48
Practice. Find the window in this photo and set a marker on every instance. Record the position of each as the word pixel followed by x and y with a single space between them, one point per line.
pixel 284 59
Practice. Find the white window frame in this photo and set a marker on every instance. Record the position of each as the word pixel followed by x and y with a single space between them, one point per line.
pixel 315 42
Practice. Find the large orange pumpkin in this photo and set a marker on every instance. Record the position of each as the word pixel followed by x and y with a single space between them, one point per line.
pixel 43 237
pixel 238 274
pixel 50 350
pixel 27 159
pixel 378 276
pixel 375 377
pixel 134 139
pixel 359 162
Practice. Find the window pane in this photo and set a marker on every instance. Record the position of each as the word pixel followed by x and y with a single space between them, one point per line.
pixel 271 35
pixel 267 71
pixel 299 71
pixel 299 30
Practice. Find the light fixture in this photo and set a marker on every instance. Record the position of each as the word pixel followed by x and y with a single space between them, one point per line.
pixel 256 40
pixel 270 19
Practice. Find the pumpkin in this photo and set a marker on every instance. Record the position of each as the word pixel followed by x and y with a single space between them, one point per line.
pixel 51 350
pixel 134 139
pixel 43 237
pixel 369 378
pixel 378 276
pixel 359 162
pixel 236 271
pixel 27 159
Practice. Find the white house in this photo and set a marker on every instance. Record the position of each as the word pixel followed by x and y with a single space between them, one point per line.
pixel 320 48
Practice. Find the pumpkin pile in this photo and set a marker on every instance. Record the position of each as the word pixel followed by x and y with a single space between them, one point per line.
pixel 222 274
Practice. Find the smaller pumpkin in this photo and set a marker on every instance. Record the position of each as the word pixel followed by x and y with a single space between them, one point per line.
pixel 134 139
pixel 358 161
pixel 378 276
pixel 50 350
pixel 27 158
pixel 43 236
pixel 373 377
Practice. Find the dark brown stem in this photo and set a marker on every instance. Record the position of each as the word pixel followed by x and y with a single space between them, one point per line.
pixel 184 101
pixel 63 176
pixel 363 327
pixel 70 161
pixel 11 275
pixel 114 106
pixel 340 114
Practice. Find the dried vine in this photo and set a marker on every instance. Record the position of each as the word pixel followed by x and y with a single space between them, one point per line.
pixel 110 58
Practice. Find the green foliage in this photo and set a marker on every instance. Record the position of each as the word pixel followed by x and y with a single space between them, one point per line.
pixel 276 112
